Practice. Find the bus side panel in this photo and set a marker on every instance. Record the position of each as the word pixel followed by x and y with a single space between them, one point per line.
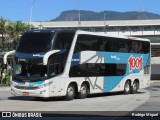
pixel 55 86
pixel 96 84
pixel 135 64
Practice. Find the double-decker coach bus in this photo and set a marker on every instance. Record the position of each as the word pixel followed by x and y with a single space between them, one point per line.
pixel 51 63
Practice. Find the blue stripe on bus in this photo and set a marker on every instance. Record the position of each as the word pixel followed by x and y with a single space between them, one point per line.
pixel 122 58
pixel 38 83
pixel 35 83
pixel 110 82
pixel 36 55
pixel 75 59
pixel 26 55
pixel 62 51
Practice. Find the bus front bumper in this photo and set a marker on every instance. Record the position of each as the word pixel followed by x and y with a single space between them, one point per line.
pixel 41 92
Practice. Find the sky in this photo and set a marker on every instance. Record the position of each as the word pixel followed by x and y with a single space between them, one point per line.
pixel 45 10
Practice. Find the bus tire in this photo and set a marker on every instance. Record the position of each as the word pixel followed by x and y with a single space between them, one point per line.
pixel 39 98
pixel 134 87
pixel 127 87
pixel 83 92
pixel 70 92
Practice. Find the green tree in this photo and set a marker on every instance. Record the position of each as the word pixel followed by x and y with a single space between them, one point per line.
pixel 3 31
pixel 11 32
pixel 15 29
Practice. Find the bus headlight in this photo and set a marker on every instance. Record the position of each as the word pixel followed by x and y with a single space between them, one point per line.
pixel 44 85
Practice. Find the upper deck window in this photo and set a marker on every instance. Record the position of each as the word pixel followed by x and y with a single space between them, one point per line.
pixel 111 44
pixel 35 42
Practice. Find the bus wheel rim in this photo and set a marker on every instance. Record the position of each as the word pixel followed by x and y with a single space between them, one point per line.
pixel 83 90
pixel 70 91
pixel 127 87
pixel 134 86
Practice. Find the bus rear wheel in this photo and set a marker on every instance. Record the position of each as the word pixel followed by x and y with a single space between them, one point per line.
pixel 83 92
pixel 127 88
pixel 134 87
pixel 70 92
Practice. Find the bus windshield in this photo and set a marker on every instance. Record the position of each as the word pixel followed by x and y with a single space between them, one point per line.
pixel 33 69
pixel 35 42
pixel 26 70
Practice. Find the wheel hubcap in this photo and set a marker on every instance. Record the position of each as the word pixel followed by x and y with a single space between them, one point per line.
pixel 83 90
pixel 70 91
pixel 134 86
pixel 127 88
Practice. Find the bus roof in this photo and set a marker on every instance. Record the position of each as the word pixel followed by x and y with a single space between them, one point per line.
pixel 89 33
pixel 50 30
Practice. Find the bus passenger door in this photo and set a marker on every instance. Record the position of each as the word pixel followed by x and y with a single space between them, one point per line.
pixel 54 70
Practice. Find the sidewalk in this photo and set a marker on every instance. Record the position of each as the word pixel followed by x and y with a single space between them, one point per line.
pixel 153 81
pixel 5 89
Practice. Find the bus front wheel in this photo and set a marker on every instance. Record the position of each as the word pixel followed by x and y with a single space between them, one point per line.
pixel 70 92
pixel 83 92
pixel 127 87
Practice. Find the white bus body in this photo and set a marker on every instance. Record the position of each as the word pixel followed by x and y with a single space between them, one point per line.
pixel 91 63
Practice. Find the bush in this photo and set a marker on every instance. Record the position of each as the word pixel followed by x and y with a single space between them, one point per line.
pixel 5 79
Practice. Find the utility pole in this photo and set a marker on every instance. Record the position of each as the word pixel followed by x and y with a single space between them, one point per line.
pixel 79 14
pixel 31 13
pixel 104 21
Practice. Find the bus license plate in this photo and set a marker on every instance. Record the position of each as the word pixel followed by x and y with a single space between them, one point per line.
pixel 25 93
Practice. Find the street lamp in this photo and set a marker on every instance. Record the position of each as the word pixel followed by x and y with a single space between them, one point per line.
pixel 31 13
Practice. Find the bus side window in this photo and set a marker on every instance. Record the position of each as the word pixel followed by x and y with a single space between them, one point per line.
pixel 83 43
pixel 97 44
pixel 55 69
pixel 134 47
pixel 63 41
pixel 123 46
pixel 97 69
pixel 140 47
pixel 56 66
pixel 109 43
pixel 146 47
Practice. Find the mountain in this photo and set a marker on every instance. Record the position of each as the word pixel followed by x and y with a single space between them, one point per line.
pixel 72 15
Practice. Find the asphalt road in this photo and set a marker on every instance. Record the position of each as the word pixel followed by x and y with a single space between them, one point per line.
pixel 145 100
pixel 101 102
pixel 153 103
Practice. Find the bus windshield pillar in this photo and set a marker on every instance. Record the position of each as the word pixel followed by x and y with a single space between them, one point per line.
pixel 47 55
